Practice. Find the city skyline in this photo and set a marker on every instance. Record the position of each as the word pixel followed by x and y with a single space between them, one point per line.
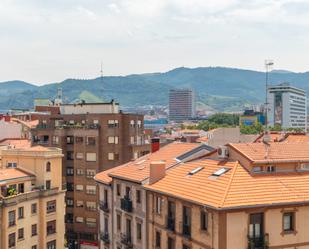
pixel 45 42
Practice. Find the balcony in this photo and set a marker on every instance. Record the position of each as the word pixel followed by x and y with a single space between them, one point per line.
pixel 170 223
pixel 105 237
pixel 126 204
pixel 126 240
pixel 258 243
pixel 104 206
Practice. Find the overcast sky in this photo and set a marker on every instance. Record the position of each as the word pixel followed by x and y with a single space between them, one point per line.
pixel 45 41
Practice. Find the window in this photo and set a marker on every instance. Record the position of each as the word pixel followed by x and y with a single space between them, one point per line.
pixel 111 156
pixel 91 206
pixel 139 231
pixel 139 123
pixel 91 157
pixel 70 202
pixel 158 239
pixel 79 203
pixel 271 168
pixel 79 172
pixel 288 222
pixel 51 245
pixel 70 140
pixel 132 123
pixel 90 140
pixel 112 124
pixel 79 219
pixel 184 246
pixel 90 173
pixel 11 165
pixel 12 218
pixel 79 155
pixel 70 171
pixel 204 221
pixel 12 240
pixel 51 206
pixel 69 218
pixel 138 196
pixel 34 247
pixel 34 230
pixel 33 208
pixel 158 205
pixel 95 121
pixel 48 167
pixel 113 140
pixel 20 233
pixel 55 140
pixel 48 184
pixel 51 227
pixel 20 212
pixel 132 140
pixel 257 169
pixel 118 189
pixel 70 155
pixel 170 243
pixel 186 219
pixel 79 187
pixel 91 190
pixel 21 188
pixel 91 222
pixel 118 222
pixel 70 186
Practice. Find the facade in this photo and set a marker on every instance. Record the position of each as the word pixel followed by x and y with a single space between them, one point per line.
pixel 287 107
pixel 93 137
pixel 32 203
pixel 123 209
pixel 241 196
pixel 181 104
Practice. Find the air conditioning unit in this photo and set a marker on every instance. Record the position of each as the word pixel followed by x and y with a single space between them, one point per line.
pixel 223 152
pixel 304 166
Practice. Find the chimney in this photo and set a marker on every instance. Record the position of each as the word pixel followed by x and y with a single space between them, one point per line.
pixel 157 171
pixel 155 144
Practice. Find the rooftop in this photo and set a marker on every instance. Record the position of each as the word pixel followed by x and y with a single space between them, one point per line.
pixel 234 188
pixel 16 143
pixel 12 174
pixel 273 152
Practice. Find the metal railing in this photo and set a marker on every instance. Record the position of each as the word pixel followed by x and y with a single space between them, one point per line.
pixel 104 236
pixel 104 206
pixel 126 240
pixel 126 204
pixel 170 223
pixel 260 242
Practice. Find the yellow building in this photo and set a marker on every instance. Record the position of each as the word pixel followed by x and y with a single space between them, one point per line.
pixel 243 196
pixel 32 204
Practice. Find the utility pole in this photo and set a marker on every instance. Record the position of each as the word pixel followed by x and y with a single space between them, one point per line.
pixel 268 66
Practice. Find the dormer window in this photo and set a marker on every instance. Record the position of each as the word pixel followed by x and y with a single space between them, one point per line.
pixel 257 169
pixel 12 165
pixel 271 168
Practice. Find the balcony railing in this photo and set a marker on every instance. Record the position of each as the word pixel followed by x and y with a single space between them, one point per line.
pixel 170 223
pixel 104 206
pixel 258 243
pixel 126 240
pixel 104 236
pixel 126 204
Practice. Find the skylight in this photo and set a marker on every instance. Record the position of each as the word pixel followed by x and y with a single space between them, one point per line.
pixel 221 171
pixel 194 171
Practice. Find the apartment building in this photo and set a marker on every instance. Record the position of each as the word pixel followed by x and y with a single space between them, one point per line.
pixel 32 203
pixel 93 137
pixel 252 195
pixel 287 106
pixel 123 203
pixel 181 104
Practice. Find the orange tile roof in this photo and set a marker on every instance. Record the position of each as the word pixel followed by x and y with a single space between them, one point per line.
pixel 293 138
pixel 138 170
pixel 12 173
pixel 29 124
pixel 16 143
pixel 202 139
pixel 273 152
pixel 274 137
pixel 234 189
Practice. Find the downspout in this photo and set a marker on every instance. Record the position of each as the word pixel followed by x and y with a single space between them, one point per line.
pixel 212 232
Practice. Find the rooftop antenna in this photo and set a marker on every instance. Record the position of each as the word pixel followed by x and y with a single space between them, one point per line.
pixel 268 65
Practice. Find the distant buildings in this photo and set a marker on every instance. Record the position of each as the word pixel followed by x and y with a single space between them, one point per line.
pixel 287 107
pixel 251 117
pixel 94 137
pixel 32 203
pixel 181 104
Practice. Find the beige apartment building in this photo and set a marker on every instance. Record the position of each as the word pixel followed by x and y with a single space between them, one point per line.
pixel 123 203
pixel 32 205
pixel 242 196
pixel 93 137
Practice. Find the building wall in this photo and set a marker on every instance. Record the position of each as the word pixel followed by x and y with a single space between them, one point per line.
pixel 10 130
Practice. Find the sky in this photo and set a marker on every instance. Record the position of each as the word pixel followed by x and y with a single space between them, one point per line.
pixel 45 41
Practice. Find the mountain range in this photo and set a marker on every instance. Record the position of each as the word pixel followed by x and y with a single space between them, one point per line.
pixel 217 88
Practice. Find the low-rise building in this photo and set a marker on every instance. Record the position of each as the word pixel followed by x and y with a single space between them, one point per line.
pixel 252 195
pixel 32 203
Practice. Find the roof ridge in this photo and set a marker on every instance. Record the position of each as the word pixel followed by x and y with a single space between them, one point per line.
pixel 229 184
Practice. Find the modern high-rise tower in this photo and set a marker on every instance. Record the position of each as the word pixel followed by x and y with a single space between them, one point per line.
pixel 181 104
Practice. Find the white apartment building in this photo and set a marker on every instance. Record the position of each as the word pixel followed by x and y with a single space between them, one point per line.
pixel 287 106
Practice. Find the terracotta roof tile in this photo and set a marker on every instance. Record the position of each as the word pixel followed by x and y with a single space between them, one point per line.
pixel 16 143
pixel 12 173
pixel 138 170
pixel 296 139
